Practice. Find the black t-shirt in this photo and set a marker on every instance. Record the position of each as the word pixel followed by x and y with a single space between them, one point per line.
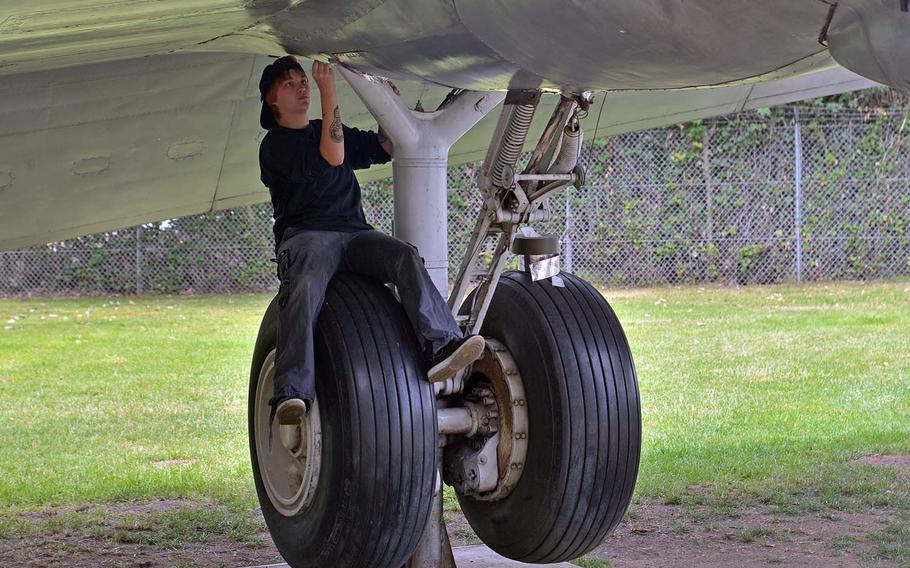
pixel 307 192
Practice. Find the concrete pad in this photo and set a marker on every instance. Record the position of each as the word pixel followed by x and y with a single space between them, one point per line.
pixel 480 555
pixel 472 557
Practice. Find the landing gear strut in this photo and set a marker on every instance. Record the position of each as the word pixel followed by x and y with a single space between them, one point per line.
pixel 540 439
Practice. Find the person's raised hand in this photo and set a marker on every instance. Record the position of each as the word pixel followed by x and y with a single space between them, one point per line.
pixel 323 75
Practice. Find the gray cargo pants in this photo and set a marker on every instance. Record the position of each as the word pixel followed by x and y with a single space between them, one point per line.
pixel 307 260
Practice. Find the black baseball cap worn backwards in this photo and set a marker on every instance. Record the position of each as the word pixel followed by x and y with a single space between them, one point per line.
pixel 270 74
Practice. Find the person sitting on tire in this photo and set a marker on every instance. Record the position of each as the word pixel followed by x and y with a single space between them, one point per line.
pixel 320 229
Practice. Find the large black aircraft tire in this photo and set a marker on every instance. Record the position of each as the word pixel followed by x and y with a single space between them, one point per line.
pixel 584 434
pixel 378 434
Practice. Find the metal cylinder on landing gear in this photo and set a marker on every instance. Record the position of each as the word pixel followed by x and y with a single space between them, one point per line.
pixel 421 210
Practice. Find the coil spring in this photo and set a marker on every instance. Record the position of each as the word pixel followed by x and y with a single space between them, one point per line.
pixel 513 140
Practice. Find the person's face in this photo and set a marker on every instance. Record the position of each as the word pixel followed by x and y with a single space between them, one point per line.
pixel 292 94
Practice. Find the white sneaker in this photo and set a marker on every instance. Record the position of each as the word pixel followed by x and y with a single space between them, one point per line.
pixel 454 357
pixel 291 411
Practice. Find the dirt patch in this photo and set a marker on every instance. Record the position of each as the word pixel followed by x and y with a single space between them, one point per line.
pixel 86 553
pixel 149 535
pixel 651 536
pixel 460 531
pixel 110 510
pixel 662 535
pixel 897 462
pixel 684 536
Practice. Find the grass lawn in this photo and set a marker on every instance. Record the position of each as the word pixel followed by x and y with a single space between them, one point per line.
pixel 763 394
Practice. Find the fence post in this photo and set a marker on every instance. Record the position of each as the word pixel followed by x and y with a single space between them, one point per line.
pixel 798 183
pixel 568 239
pixel 138 260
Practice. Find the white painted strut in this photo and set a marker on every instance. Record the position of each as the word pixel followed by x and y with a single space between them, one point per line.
pixel 422 141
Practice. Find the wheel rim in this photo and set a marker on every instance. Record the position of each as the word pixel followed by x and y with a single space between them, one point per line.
pixel 498 365
pixel 290 467
pixel 502 454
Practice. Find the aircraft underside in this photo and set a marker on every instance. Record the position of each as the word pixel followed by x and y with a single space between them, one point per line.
pixel 117 113
pixel 483 44
pixel 144 110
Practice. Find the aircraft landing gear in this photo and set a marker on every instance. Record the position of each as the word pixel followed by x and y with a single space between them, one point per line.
pixel 540 439
pixel 557 470
pixel 578 418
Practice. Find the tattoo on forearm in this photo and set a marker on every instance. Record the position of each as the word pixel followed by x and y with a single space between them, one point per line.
pixel 335 130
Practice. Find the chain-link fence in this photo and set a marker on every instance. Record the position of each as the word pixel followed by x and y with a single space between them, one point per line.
pixel 758 197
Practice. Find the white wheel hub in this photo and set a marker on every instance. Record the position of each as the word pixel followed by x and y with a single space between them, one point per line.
pixel 488 462
pixel 289 462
